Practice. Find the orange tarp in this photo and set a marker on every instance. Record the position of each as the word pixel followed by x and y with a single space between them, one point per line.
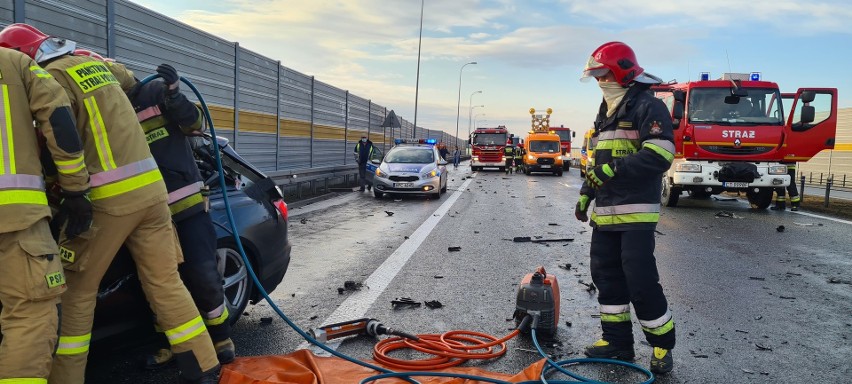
pixel 303 367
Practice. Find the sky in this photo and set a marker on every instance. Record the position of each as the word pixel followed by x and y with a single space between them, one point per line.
pixel 529 53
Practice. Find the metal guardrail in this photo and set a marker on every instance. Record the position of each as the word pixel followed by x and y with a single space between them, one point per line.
pixel 297 178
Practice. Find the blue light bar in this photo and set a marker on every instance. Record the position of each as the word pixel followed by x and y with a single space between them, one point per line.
pixel 431 141
pixel 399 141
pixel 755 76
pixel 705 76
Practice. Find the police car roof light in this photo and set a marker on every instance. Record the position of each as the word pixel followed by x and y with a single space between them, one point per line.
pixel 399 141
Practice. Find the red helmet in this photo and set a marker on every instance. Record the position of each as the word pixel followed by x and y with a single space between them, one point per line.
pixel 22 37
pixel 34 43
pixel 86 52
pixel 618 58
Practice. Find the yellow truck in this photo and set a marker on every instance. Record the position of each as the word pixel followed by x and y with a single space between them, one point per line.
pixel 587 153
pixel 543 153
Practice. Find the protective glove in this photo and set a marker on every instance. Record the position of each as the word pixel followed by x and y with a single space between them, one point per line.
pixel 600 175
pixel 170 78
pixel 77 209
pixel 581 208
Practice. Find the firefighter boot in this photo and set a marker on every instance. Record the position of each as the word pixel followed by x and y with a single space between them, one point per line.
pixel 601 349
pixel 661 361
pixel 794 206
pixel 159 359
pixel 208 377
pixel 779 206
pixel 225 351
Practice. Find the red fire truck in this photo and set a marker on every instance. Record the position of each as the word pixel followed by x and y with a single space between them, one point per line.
pixel 487 147
pixel 565 135
pixel 737 133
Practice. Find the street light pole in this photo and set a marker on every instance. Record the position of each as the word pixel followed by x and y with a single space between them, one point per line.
pixel 458 104
pixel 469 110
pixel 474 119
pixel 417 85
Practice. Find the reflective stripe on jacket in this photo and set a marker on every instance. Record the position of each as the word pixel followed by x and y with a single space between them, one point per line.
pixel 638 142
pixel 165 127
pixel 28 93
pixel 117 156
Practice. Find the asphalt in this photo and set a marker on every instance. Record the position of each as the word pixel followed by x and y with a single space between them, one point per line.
pixel 758 296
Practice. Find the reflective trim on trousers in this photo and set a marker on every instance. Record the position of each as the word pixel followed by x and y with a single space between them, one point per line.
pixel 614 309
pixel 73 345
pixel 615 317
pixel 23 380
pixel 795 199
pixel 186 331
pixel 630 218
pixel 218 320
pixel 658 322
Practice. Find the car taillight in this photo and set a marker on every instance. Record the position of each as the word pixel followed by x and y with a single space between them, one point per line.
pixel 281 206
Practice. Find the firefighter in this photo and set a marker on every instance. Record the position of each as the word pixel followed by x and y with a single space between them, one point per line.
pixel 363 152
pixel 509 156
pixel 129 202
pixel 634 148
pixel 31 278
pixel 781 198
pixel 519 158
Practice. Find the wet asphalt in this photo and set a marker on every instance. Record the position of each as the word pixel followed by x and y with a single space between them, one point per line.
pixel 758 296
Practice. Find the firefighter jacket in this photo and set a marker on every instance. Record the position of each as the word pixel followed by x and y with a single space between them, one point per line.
pixel 29 93
pixel 508 153
pixel 638 143
pixel 124 176
pixel 166 125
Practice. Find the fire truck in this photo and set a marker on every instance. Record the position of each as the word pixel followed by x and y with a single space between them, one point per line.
pixel 565 135
pixel 738 133
pixel 487 148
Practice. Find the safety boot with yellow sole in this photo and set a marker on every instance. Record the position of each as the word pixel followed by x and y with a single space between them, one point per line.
pixel 159 359
pixel 602 349
pixel 661 361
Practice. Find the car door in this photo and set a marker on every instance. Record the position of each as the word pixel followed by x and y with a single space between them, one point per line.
pixel 374 162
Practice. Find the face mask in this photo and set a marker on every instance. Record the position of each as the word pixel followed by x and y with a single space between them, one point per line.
pixel 612 93
pixel 363 140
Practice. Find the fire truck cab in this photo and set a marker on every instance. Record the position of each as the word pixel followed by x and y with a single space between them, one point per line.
pixel 737 133
pixel 487 148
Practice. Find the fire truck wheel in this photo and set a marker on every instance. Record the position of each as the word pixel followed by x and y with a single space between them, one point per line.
pixel 670 195
pixel 760 199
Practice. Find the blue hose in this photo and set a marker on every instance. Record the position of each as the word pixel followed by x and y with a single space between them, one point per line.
pixel 239 243
pixel 386 373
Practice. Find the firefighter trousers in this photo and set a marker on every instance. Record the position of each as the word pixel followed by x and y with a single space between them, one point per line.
pixel 625 271
pixel 791 190
pixel 151 239
pixel 201 275
pixel 31 281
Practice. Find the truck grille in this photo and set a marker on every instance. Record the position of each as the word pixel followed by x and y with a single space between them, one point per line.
pixel 545 160
pixel 404 178
pixel 743 151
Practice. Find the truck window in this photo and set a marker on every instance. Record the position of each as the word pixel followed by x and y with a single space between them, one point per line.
pixel 708 105
pixel 544 146
pixel 489 139
pixel 564 135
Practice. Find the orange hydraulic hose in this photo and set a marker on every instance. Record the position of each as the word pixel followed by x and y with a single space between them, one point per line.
pixel 449 349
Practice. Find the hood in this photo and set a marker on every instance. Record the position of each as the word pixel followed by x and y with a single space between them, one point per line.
pixel 735 136
pixel 407 168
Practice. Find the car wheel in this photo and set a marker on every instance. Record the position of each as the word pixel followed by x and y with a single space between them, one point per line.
pixel 377 193
pixel 559 173
pixel 237 282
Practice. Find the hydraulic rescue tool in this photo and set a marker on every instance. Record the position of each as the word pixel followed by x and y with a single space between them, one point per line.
pixel 364 326
pixel 538 297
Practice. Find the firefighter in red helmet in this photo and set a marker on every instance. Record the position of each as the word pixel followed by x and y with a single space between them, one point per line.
pixel 129 204
pixel 635 146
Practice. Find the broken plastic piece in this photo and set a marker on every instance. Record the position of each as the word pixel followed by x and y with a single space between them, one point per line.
pixel 433 304
pixel 453 249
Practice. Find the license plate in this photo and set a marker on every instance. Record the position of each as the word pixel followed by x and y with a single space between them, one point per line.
pixel 545 166
pixel 403 185
pixel 735 185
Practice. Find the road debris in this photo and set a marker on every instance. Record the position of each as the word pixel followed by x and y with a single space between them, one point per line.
pixel 303 220
pixel 787 297
pixel 780 228
pixel 349 285
pixel 404 302
pixel 553 224
pixel 438 277
pixel 266 320
pixel 659 233
pixel 538 239
pixel 590 287
pixel 720 199
pixel 453 249
pixel 762 347
pixel 567 266
pixel 728 214
pixel 757 278
pixel 389 213
pixel 837 280
pixel 314 317
pixel 433 304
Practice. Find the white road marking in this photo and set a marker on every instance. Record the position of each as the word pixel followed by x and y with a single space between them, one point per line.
pixel 823 217
pixel 570 186
pixel 359 302
pixel 324 204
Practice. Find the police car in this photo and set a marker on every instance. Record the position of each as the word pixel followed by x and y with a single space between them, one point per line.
pixel 411 167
